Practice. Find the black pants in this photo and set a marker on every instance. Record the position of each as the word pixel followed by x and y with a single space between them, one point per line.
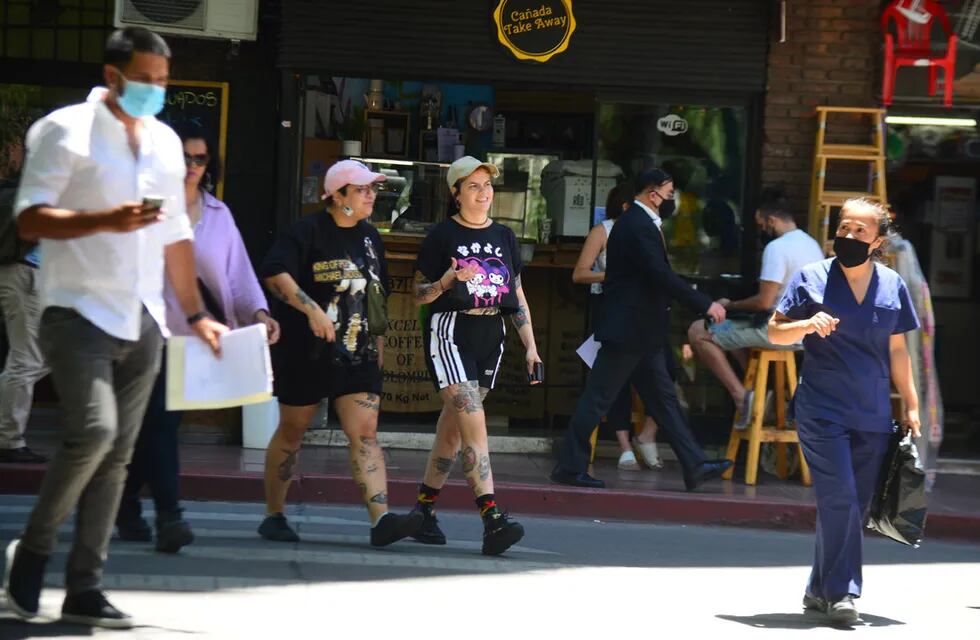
pixel 618 418
pixel 155 459
pixel 649 374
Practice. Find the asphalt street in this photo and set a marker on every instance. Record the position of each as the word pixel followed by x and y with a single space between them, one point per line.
pixel 569 578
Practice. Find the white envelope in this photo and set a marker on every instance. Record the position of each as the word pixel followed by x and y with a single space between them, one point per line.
pixel 588 350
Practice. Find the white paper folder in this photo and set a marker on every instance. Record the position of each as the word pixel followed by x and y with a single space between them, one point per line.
pixel 196 379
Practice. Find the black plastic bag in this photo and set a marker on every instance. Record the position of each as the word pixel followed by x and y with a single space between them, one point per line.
pixel 898 508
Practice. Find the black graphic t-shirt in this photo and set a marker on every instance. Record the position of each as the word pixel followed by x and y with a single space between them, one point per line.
pixel 331 264
pixel 494 252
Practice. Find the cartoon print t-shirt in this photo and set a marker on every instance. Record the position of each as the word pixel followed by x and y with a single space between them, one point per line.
pixel 331 264
pixel 492 250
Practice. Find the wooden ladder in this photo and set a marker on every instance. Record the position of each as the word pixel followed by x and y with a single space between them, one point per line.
pixel 822 200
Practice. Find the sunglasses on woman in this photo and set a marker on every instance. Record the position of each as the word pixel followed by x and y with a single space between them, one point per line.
pixel 197 159
pixel 365 189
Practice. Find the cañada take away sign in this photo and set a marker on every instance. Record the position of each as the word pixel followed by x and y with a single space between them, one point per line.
pixel 534 31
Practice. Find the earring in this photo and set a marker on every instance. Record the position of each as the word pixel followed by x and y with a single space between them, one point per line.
pixel 347 211
pixel 208 183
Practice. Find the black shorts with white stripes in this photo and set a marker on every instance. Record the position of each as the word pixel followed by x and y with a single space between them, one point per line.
pixel 461 347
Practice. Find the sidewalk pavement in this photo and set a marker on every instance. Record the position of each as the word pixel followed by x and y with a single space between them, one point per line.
pixel 230 473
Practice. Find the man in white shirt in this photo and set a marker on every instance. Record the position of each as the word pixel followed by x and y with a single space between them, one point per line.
pixel 102 189
pixel 791 249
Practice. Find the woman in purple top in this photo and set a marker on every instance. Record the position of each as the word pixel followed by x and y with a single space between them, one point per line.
pixel 232 294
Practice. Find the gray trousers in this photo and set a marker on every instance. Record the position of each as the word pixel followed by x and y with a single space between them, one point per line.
pixel 25 364
pixel 104 384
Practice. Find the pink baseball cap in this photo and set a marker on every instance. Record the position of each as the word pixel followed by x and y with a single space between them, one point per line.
pixel 346 172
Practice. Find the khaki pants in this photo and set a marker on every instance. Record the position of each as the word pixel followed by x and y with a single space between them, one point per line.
pixel 104 384
pixel 25 365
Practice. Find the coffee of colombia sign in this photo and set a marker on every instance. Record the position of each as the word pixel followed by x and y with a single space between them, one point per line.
pixel 534 31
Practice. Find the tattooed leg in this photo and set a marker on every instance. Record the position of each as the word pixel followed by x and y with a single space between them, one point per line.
pixel 359 419
pixel 282 455
pixel 445 448
pixel 466 402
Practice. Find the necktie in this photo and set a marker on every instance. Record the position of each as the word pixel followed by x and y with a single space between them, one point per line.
pixel 664 240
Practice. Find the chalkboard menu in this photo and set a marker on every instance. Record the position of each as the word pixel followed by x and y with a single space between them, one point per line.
pixel 204 104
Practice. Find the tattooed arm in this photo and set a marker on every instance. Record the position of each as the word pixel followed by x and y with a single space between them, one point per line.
pixel 426 292
pixel 285 289
pixel 522 322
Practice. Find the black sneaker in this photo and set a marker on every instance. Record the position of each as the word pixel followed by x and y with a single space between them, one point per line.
pixel 393 527
pixel 134 529
pixel 500 533
pixel 173 532
pixel 429 532
pixel 93 609
pixel 23 578
pixel 275 527
pixel 21 455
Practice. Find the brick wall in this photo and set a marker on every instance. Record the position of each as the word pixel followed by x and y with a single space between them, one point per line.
pixel 830 57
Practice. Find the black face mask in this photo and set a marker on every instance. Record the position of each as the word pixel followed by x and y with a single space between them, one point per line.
pixel 666 208
pixel 851 252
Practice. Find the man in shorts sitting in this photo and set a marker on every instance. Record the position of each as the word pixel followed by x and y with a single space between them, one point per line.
pixel 790 249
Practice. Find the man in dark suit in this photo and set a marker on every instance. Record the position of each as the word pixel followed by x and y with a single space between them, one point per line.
pixel 633 328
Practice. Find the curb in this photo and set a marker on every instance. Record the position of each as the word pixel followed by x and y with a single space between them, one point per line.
pixel 537 500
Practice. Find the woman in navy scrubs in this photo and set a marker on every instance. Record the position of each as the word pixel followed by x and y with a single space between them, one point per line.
pixel 852 314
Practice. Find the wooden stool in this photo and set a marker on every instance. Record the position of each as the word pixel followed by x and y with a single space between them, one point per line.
pixel 757 377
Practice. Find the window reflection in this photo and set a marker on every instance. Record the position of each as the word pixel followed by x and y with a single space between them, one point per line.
pixel 703 148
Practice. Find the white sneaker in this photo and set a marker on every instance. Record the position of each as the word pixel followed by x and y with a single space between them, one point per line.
pixel 843 611
pixel 648 452
pixel 627 462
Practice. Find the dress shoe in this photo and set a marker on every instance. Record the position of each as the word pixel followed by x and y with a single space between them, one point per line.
pixel 560 476
pixel 708 470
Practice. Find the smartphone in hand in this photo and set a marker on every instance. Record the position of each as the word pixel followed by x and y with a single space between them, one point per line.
pixel 153 202
pixel 537 374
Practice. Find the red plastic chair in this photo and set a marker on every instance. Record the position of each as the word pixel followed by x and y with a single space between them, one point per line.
pixel 913 26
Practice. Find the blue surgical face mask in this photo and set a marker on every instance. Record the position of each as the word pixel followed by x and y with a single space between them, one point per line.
pixel 140 99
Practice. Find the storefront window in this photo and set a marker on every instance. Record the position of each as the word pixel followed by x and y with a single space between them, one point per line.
pixel 518 200
pixel 703 148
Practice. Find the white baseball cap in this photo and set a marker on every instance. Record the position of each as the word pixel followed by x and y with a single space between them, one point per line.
pixel 466 166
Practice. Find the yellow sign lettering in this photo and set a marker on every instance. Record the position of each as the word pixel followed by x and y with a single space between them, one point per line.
pixel 520 23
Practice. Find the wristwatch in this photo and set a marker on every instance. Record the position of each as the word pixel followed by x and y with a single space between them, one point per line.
pixel 197 317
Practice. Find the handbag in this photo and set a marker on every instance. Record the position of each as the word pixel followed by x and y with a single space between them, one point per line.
pixel 377 309
pixel 898 507
pixel 376 300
